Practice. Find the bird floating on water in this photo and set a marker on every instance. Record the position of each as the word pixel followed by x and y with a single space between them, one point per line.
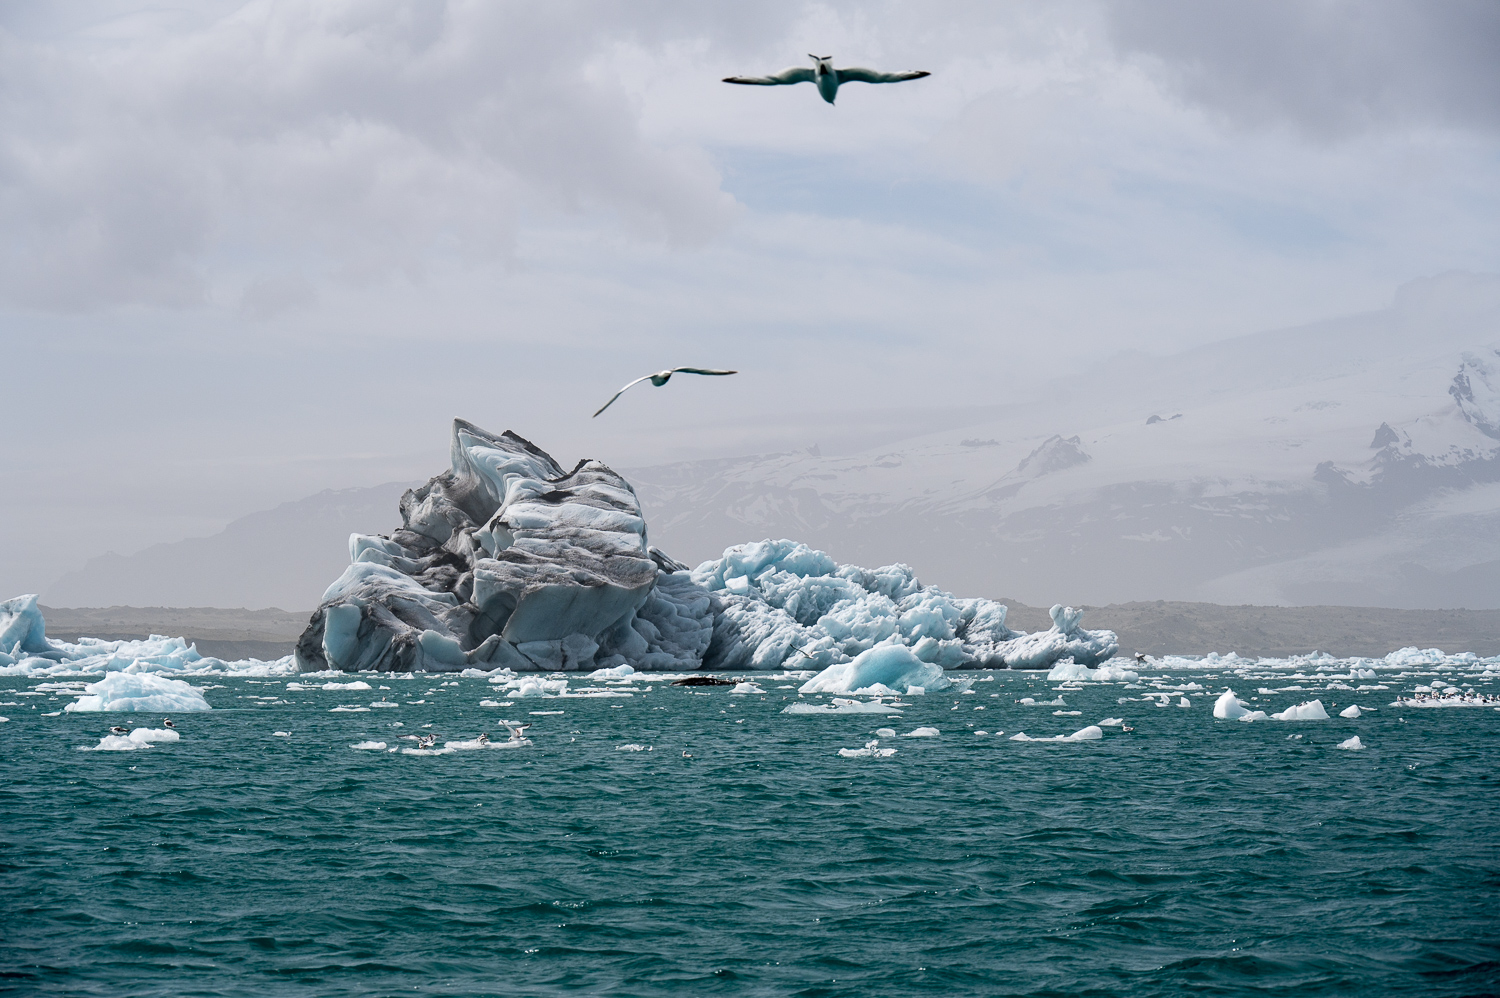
pixel 660 378
pixel 166 722
pixel 825 77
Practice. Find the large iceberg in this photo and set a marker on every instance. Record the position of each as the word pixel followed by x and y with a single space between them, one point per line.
pixel 508 561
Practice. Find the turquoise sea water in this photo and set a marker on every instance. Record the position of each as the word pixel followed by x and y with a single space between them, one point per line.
pixel 741 855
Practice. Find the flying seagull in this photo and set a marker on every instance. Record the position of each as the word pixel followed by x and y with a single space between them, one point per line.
pixel 826 77
pixel 658 379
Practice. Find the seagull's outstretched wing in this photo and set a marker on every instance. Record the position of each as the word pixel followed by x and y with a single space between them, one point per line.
pixel 795 74
pixel 699 370
pixel 622 391
pixel 858 74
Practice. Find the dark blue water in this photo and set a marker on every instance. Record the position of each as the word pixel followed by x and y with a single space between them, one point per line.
pixel 1185 857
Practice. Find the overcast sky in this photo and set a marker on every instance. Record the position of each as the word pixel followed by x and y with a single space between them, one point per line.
pixel 253 250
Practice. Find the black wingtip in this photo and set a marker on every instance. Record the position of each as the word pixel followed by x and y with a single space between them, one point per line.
pixel 921 73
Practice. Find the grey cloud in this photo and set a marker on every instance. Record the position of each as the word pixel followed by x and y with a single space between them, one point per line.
pixel 1328 67
pixel 141 166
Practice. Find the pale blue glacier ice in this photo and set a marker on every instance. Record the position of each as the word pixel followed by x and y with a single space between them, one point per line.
pixel 140 691
pixel 784 604
pixel 892 667
pixel 1076 672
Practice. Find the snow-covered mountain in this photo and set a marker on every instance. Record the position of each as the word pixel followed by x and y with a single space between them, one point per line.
pixel 1351 461
pixel 1354 461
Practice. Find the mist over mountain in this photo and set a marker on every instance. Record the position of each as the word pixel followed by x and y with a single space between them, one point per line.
pixel 283 557
pixel 1354 461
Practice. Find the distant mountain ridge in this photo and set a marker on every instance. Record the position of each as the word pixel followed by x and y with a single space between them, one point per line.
pixel 281 557
pixel 1354 461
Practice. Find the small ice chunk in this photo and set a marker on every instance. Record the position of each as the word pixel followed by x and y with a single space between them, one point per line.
pixel 1090 733
pixel 922 733
pixel 843 707
pixel 1352 744
pixel 1066 713
pixel 1229 707
pixel 746 688
pixel 281 734
pixel 358 684
pixel 1112 722
pixel 1070 671
pixel 1312 710
pixel 148 736
pixel 369 746
pixel 633 747
pixel 1350 711
pixel 1184 702
pixel 885 732
pixel 1254 715
pixel 872 750
pixel 618 672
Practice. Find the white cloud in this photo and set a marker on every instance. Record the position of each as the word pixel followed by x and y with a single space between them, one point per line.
pixel 351 138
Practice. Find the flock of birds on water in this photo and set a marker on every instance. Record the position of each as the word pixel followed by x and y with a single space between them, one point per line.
pixel 517 733
pixel 827 79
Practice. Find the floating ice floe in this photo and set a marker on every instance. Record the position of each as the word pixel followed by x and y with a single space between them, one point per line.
pixel 1112 722
pixel 746 688
pixel 1312 710
pixel 1352 744
pixel 616 672
pixel 892 666
pixel 633 747
pixel 1351 711
pixel 138 739
pixel 922 733
pixel 1230 707
pixel 1110 672
pixel 838 706
pixel 885 732
pixel 369 746
pixel 142 691
pixel 871 750
pixel 281 734
pixel 1090 733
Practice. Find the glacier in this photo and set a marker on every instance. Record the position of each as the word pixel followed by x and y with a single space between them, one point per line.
pixel 507 561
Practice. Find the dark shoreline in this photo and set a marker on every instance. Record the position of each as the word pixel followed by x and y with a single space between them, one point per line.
pixel 1154 628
